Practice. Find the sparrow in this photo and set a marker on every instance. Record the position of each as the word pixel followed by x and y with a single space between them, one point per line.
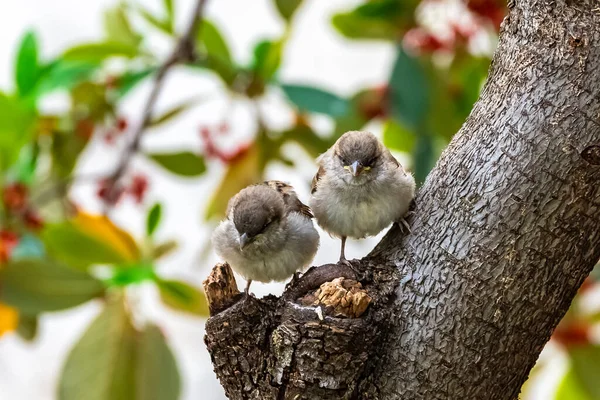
pixel 360 188
pixel 268 234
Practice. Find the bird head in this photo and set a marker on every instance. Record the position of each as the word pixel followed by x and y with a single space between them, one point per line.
pixel 358 155
pixel 256 211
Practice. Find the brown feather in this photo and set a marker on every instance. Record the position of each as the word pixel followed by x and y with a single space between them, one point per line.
pixel 290 198
pixel 315 180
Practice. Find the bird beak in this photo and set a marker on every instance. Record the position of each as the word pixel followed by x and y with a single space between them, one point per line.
pixel 356 168
pixel 244 240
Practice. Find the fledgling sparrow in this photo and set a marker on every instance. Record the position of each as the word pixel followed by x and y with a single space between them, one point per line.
pixel 268 234
pixel 360 188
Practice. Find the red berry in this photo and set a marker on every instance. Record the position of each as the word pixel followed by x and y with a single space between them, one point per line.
pixel 419 40
pixel 139 187
pixel 122 124
pixel 33 220
pixel 108 192
pixel 15 196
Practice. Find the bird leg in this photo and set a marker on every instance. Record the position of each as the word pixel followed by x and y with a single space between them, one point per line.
pixel 343 253
pixel 247 290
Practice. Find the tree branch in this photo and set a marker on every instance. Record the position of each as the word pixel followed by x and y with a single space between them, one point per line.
pixel 184 51
pixel 504 231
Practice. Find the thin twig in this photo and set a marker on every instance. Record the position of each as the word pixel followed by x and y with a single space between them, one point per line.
pixel 183 52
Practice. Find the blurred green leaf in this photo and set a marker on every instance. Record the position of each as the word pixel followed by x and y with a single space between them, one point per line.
pixel 183 297
pixel 65 75
pixel 170 9
pixel 315 100
pixel 174 112
pixel 162 249
pixel 65 150
pixel 308 139
pixel 27 68
pixel 35 286
pixel 129 80
pixel 585 366
pixel 24 168
pixel 17 122
pixel 28 327
pixel 354 26
pixel 287 8
pixel 267 58
pixel 153 219
pixel 102 364
pixel 241 172
pixel 91 101
pixel 409 91
pixel 88 240
pixel 157 375
pixel 388 10
pixel 118 29
pixel 424 157
pixel 211 40
pixel 130 274
pixel 396 137
pixel 184 164
pixel 570 388
pixel 98 52
pixel 164 26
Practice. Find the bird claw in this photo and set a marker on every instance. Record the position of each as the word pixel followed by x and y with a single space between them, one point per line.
pixel 404 225
pixel 345 262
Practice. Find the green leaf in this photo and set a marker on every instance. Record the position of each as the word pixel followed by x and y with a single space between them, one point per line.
pixel 88 240
pixel 17 122
pixel 184 164
pixel 157 375
pixel 424 157
pixel 267 58
pixel 64 75
pixel 308 139
pixel 36 286
pixel 129 80
pixel 570 388
pixel 183 297
pixel 153 219
pixel 162 249
pixel 243 171
pixel 170 9
pixel 118 29
pixel 28 327
pixel 212 41
pixel 130 274
pixel 396 137
pixel 173 112
pixel 315 100
pixel 164 26
pixel 27 69
pixel 98 52
pixel 354 26
pixel 287 8
pixel 585 364
pixel 102 365
pixel 409 91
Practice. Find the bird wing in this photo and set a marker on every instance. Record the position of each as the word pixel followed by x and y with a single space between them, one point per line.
pixel 315 180
pixel 290 198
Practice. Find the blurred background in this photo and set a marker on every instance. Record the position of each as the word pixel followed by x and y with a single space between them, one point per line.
pixel 104 246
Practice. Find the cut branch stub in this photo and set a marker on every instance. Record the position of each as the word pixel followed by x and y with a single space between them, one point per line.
pixel 314 342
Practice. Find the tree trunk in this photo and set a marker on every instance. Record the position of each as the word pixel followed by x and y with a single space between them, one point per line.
pixel 504 232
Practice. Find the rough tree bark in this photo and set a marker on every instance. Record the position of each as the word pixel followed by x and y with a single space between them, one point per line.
pixel 504 232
